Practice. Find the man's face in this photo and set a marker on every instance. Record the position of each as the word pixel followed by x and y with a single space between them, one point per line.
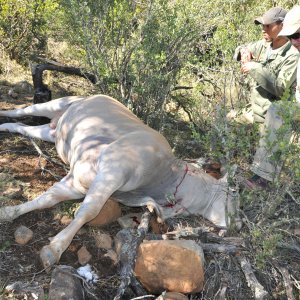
pixel 295 39
pixel 270 32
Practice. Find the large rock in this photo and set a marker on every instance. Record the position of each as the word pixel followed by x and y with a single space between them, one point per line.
pixel 65 284
pixel 110 212
pixel 175 266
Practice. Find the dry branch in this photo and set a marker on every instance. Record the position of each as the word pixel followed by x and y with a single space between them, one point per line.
pixel 41 91
pixel 130 240
pixel 230 249
pixel 54 161
pixel 255 286
pixel 287 281
pixel 204 235
pixel 221 295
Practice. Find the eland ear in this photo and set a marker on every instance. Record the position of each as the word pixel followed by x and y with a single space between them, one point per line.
pixel 229 171
pixel 224 178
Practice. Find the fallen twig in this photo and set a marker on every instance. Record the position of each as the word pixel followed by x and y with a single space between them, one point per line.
pixel 207 247
pixel 296 282
pixel 255 286
pixel 204 235
pixel 221 295
pixel 230 249
pixel 287 281
pixel 54 161
pixel 143 297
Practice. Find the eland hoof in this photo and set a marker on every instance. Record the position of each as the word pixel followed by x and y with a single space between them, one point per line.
pixel 48 257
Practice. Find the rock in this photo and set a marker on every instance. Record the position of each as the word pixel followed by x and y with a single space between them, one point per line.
pixel 84 256
pixel 175 266
pixel 110 212
pixel 172 296
pixel 112 255
pixel 66 220
pixel 103 240
pixel 82 231
pixel 4 160
pixel 131 220
pixel 23 235
pixel 65 284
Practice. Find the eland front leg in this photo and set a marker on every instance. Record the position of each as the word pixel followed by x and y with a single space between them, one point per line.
pixel 103 186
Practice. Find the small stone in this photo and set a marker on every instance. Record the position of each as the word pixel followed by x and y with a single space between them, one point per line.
pixel 172 296
pixel 112 255
pixel 23 235
pixel 84 256
pixel 82 231
pixel 66 220
pixel 103 240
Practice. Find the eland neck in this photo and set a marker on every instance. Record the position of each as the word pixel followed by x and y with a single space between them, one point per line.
pixel 199 193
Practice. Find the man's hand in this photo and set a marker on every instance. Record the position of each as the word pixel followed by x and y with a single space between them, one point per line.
pixel 246 67
pixel 246 55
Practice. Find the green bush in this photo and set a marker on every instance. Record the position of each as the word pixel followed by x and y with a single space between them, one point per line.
pixel 24 27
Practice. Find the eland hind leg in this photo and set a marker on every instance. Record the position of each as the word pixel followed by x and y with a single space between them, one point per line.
pixel 60 191
pixel 52 110
pixel 48 109
pixel 108 180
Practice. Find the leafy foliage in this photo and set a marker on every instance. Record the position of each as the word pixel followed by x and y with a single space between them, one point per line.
pixel 23 26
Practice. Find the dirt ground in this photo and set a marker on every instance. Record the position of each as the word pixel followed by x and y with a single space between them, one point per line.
pixel 24 174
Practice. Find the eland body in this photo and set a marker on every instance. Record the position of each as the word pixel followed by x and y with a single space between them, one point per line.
pixel 112 153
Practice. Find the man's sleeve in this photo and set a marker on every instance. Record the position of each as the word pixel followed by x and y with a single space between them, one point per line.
pixel 276 85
